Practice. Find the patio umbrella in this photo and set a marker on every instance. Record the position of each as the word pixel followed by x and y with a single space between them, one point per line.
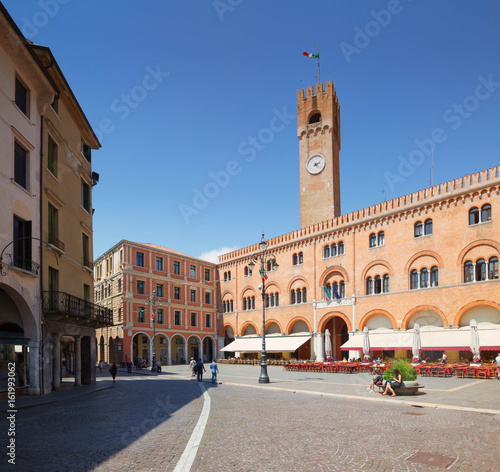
pixel 366 342
pixel 328 344
pixel 416 343
pixel 474 339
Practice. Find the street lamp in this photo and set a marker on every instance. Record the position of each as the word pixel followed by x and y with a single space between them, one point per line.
pixel 265 261
pixel 154 302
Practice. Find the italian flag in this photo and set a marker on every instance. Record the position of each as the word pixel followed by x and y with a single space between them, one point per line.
pixel 263 275
pixel 328 295
pixel 310 56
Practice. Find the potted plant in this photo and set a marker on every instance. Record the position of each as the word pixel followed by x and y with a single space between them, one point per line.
pixel 408 373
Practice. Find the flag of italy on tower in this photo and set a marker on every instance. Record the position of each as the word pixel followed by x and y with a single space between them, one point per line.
pixel 310 56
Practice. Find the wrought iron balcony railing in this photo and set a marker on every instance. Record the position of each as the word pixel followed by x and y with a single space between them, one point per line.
pixel 56 243
pixel 24 263
pixel 81 311
pixel 88 264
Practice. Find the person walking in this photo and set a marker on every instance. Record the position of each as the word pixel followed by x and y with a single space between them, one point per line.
pixel 192 365
pixel 215 370
pixel 101 365
pixel 113 370
pixel 200 368
pixel 129 367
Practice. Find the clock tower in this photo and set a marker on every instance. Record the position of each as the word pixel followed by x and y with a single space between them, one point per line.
pixel 318 130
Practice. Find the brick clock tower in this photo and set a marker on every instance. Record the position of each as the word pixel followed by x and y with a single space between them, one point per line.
pixel 318 130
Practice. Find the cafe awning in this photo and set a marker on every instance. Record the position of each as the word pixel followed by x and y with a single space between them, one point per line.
pixel 273 343
pixel 433 338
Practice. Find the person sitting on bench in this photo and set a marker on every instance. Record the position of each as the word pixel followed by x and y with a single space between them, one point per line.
pixel 394 383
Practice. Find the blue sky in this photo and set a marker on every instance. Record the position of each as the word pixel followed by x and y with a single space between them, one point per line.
pixel 176 90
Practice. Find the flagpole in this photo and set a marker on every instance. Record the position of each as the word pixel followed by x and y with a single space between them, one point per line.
pixel 319 80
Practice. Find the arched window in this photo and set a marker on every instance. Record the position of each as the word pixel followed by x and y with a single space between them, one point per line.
pixel 468 272
pixel 292 297
pixel 381 238
pixel 229 275
pixel 434 276
pixel 334 250
pixel 225 276
pixel 342 289
pixel 480 270
pixel 386 283
pixel 277 299
pixel 245 307
pixel 485 213
pixel 473 216
pixel 413 279
pixel 378 284
pixel 424 278
pixel 253 303
pixel 248 271
pixel 373 240
pixel 316 118
pixel 326 252
pixel 493 268
pixel 269 266
pixel 231 305
pixel 428 227
pixel 369 286
pixel 301 257
pixel 341 248
pixel 295 259
pixel 304 295
pixel 418 229
pixel 298 295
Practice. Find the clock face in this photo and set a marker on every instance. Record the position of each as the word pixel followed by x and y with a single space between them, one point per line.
pixel 316 164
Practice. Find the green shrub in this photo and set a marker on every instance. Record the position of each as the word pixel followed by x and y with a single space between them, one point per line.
pixel 404 366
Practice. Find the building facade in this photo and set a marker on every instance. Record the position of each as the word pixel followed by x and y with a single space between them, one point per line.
pixel 429 258
pixel 156 293
pixel 47 317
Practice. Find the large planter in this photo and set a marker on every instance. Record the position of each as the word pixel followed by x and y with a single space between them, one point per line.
pixel 410 388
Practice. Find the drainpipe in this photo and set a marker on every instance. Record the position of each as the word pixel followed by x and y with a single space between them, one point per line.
pixel 41 373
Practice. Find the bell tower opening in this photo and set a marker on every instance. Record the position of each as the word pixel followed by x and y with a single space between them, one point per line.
pixel 318 130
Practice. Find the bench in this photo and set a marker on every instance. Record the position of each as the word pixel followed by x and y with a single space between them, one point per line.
pixel 410 388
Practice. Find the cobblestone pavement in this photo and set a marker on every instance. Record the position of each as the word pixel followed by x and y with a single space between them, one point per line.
pixel 143 423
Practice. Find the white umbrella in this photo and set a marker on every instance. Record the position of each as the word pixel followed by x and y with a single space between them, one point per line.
pixel 328 344
pixel 416 343
pixel 474 339
pixel 366 342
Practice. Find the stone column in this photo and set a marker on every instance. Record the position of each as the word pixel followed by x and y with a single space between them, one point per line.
pixel 78 360
pixel 319 346
pixel 57 361
pixel 35 365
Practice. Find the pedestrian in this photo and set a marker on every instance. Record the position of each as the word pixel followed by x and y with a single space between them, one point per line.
pixel 158 367
pixel 100 365
pixel 113 370
pixel 192 365
pixel 215 371
pixel 497 360
pixel 395 382
pixel 200 368
pixel 129 367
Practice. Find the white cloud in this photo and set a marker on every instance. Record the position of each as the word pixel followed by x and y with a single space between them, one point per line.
pixel 211 256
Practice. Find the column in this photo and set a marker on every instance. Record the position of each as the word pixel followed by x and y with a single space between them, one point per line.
pixel 186 350
pixel 150 353
pixel 319 346
pixel 169 351
pixel 78 360
pixel 35 374
pixel 57 361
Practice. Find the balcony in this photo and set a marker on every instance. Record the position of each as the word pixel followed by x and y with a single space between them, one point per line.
pixel 59 245
pixel 66 308
pixel 23 264
pixel 88 264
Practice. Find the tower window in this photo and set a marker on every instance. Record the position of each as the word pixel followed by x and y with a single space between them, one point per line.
pixel 316 118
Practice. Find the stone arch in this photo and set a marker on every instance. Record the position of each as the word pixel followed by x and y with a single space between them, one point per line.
pixel 480 242
pixel 413 311
pixel 245 325
pixel 272 284
pixel 375 263
pixel 295 279
pixel 316 111
pixel 332 314
pixel 228 293
pixel 14 290
pixel 246 291
pixel 466 308
pixel 294 321
pixel 420 254
pixel 330 270
pixel 225 327
pixel 274 322
pixel 372 313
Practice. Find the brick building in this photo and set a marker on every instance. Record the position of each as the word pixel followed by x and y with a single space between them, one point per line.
pixel 428 258
pixel 130 278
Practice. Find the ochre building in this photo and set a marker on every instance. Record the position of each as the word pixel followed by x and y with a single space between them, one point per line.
pixel 429 258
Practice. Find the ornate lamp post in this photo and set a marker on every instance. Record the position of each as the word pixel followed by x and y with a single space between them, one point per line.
pixel 265 260
pixel 154 302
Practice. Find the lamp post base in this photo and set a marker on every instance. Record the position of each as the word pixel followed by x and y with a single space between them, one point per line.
pixel 263 377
